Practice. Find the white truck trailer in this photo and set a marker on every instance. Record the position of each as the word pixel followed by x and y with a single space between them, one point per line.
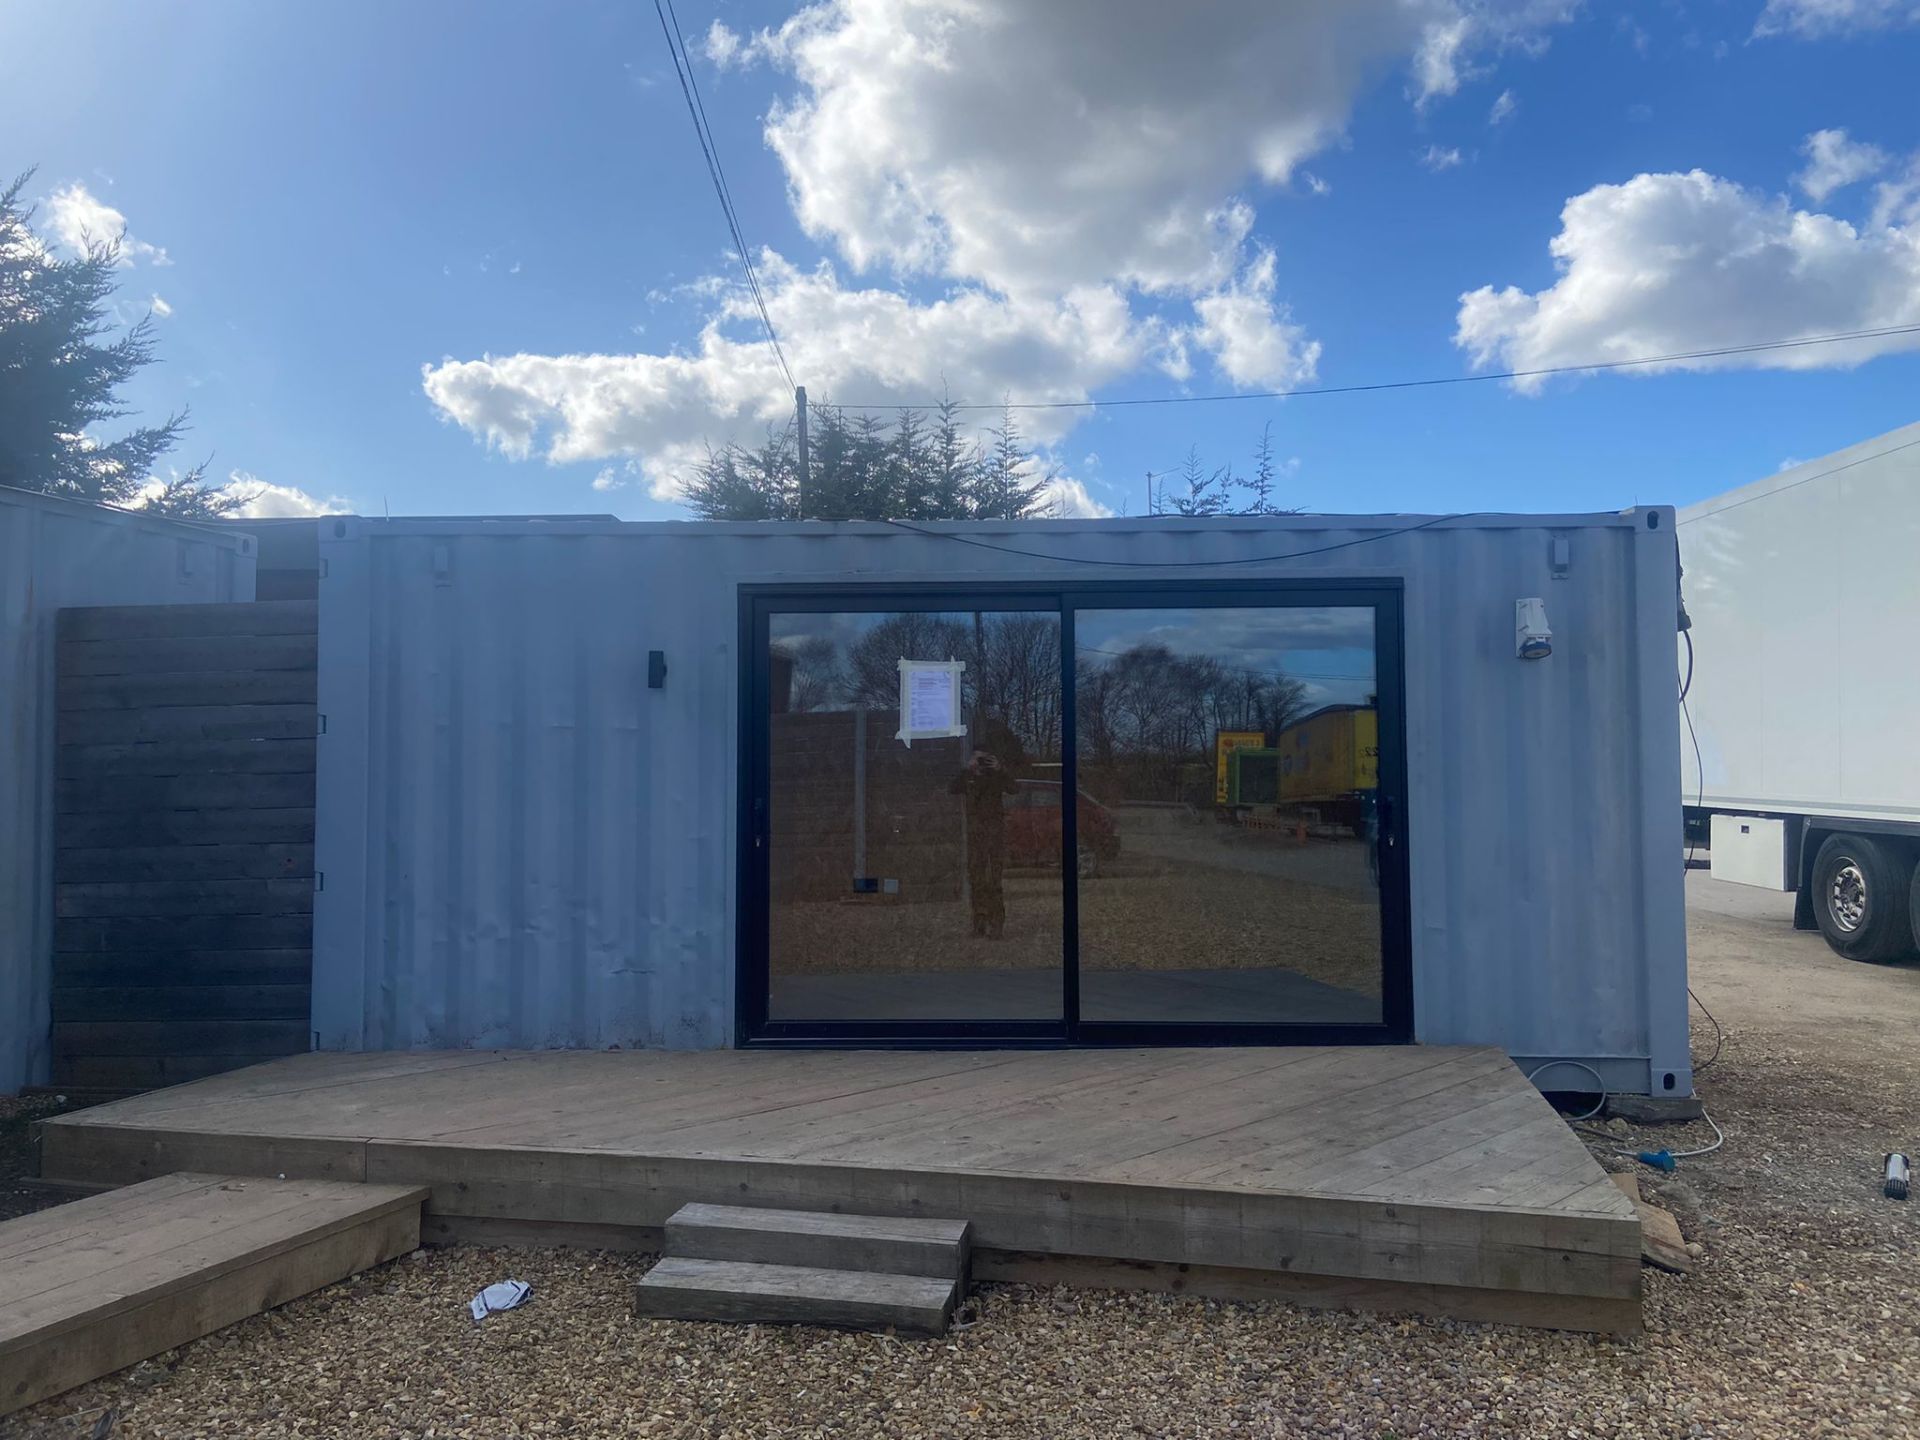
pixel 1804 595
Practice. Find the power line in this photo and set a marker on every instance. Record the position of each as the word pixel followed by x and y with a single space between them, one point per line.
pixel 709 147
pixel 1803 480
pixel 1537 373
pixel 1185 564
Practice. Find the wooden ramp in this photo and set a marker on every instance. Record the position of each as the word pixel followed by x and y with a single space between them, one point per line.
pixel 97 1285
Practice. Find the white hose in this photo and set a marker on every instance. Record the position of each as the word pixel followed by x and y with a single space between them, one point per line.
pixel 1598 1105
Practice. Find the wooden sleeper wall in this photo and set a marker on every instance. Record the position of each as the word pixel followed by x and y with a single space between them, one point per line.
pixel 184 799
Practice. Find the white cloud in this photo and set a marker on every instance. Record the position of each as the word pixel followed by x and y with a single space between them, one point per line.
pixel 1669 263
pixel 1439 61
pixel 281 502
pixel 1456 33
pixel 853 346
pixel 728 49
pixel 1834 160
pixel 160 307
pixel 1253 341
pixel 1437 157
pixel 1068 499
pixel 1813 18
pixel 1314 183
pixel 1503 109
pixel 1031 147
pixel 1068 186
pixel 75 218
pixel 723 45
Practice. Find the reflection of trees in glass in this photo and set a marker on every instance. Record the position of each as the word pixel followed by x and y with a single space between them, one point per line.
pixel 1012 674
pixel 873 661
pixel 817 677
pixel 1147 717
pixel 1018 662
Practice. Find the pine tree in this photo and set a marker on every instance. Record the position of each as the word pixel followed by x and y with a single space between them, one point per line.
pixel 1006 487
pixel 862 468
pixel 908 467
pixel 1260 485
pixel 61 370
pixel 1202 493
pixel 952 463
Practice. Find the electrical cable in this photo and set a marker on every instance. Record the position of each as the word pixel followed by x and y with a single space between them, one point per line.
pixel 1185 564
pixel 1719 1139
pixel 1796 484
pixel 1538 372
pixel 1598 1079
pixel 1719 1035
pixel 1700 797
pixel 1699 766
pixel 709 148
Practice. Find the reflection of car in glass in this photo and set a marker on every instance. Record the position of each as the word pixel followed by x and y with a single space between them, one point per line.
pixel 1033 827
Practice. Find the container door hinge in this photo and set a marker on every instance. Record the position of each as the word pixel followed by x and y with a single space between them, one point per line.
pixel 323 567
pixel 319 881
pixel 320 725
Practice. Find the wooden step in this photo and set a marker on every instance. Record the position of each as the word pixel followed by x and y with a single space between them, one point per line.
pixel 110 1280
pixel 821 1240
pixel 737 1292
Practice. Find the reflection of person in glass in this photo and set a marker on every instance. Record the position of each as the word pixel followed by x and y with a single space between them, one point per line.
pixel 1370 832
pixel 984 785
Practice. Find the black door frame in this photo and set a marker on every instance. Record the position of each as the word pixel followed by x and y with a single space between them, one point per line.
pixel 752 1024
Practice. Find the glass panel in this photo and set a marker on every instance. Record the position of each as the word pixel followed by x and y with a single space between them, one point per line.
pixel 1229 767
pixel 915 877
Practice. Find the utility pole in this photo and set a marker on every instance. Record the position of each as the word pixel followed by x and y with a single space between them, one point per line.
pixel 800 413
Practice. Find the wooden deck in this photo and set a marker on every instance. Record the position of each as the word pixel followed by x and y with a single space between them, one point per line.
pixel 1420 1178
pixel 107 1281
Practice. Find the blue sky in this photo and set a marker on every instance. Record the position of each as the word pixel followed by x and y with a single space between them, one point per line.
pixel 438 258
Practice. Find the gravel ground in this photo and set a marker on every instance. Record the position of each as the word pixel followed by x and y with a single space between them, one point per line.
pixel 17 1117
pixel 1797 1322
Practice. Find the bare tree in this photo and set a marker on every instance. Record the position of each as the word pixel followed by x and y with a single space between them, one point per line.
pixel 818 679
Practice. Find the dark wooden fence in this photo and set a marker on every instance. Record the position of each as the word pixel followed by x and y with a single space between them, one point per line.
pixel 183 931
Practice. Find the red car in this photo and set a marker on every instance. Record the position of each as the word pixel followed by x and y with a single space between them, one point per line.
pixel 1033 828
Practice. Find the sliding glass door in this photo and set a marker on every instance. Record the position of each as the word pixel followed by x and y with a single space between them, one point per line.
pixel 1073 815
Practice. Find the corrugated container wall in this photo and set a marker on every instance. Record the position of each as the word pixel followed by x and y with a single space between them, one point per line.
pixel 524 845
pixel 56 553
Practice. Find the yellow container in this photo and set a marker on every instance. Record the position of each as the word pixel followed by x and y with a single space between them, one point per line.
pixel 1331 753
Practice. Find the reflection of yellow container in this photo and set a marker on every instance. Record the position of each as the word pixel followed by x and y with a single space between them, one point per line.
pixel 1331 754
pixel 1225 742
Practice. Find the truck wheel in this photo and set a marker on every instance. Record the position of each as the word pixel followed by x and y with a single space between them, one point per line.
pixel 1089 861
pixel 1913 908
pixel 1857 886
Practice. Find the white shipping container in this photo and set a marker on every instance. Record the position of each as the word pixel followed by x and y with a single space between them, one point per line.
pixel 1804 592
pixel 527 843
